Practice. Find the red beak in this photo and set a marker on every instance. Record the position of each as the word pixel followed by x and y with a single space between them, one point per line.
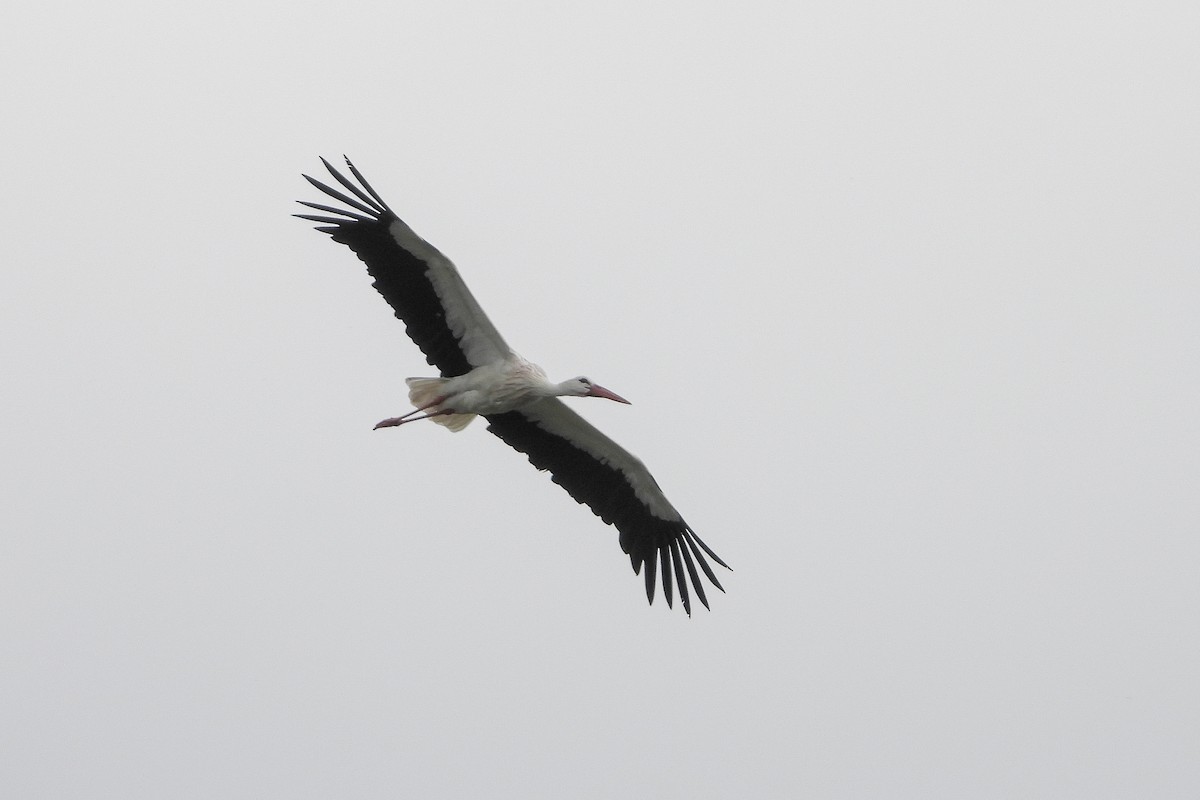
pixel 597 390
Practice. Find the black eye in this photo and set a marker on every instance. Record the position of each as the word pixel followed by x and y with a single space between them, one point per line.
pixel 585 381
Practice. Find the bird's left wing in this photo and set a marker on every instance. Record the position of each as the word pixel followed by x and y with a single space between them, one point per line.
pixel 421 284
pixel 606 477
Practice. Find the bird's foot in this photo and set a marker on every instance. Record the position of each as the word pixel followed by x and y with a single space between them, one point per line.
pixel 391 422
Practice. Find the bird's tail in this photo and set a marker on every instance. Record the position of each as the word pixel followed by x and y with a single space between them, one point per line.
pixel 423 391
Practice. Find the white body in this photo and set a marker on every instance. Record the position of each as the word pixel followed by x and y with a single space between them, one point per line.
pixel 491 389
pixel 497 388
pixel 483 376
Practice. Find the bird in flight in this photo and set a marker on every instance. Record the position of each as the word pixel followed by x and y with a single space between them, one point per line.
pixel 482 376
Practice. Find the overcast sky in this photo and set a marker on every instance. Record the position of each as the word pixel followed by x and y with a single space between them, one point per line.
pixel 907 301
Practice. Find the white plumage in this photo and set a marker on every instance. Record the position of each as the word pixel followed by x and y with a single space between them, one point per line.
pixel 481 375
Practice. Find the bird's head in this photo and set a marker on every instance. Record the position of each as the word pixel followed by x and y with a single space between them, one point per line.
pixel 582 387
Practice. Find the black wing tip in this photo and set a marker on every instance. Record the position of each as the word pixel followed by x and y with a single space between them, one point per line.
pixel 332 169
pixel 365 199
pixel 679 557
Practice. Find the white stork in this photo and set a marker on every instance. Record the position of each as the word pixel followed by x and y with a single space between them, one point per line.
pixel 482 375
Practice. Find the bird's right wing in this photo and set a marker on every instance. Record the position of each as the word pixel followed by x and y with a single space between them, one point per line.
pixel 418 282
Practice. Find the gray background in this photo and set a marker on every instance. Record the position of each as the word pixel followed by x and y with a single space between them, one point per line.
pixel 905 297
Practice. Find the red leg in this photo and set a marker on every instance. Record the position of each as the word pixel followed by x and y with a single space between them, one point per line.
pixel 392 422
